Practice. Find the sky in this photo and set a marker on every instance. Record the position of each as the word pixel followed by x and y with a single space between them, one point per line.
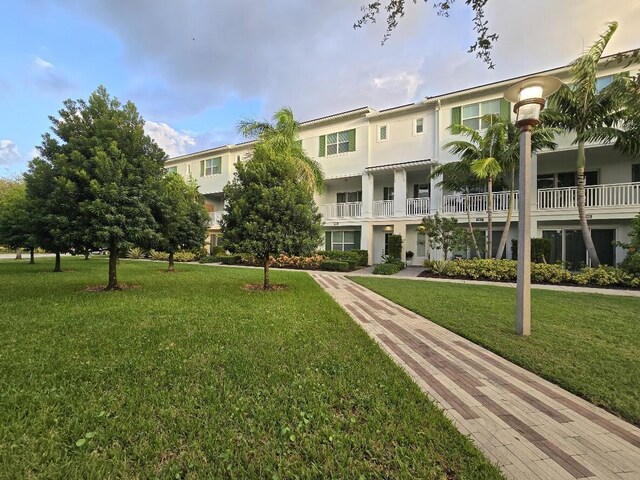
pixel 194 68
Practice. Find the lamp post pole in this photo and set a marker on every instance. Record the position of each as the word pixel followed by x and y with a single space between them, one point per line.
pixel 523 292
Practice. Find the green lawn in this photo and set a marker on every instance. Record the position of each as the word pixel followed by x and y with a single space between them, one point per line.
pixel 191 376
pixel 586 343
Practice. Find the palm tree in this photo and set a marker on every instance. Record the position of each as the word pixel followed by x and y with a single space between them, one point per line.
pixel 477 153
pixel 457 177
pixel 593 116
pixel 509 158
pixel 281 139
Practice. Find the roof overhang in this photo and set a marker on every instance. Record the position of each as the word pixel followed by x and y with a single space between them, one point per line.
pixel 401 165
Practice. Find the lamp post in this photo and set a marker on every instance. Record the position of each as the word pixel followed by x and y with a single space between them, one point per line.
pixel 529 98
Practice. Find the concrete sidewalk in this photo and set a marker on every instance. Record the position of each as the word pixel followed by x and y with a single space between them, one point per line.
pixel 532 428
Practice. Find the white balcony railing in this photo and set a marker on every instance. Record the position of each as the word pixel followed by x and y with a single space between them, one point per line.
pixel 418 206
pixel 383 208
pixel 343 210
pixel 215 218
pixel 478 202
pixel 607 195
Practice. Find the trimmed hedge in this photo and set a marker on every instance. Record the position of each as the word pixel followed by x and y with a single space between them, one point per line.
pixel 387 268
pixel 334 266
pixel 506 271
pixel 354 258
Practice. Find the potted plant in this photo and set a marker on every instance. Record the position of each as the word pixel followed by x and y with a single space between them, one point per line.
pixel 409 256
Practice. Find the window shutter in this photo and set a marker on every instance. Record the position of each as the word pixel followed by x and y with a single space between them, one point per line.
pixel 323 140
pixel 456 116
pixel 356 240
pixel 327 241
pixel 505 109
pixel 202 168
pixel 352 139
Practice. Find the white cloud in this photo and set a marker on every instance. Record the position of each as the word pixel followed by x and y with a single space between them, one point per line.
pixel 9 153
pixel 42 64
pixel 399 85
pixel 172 141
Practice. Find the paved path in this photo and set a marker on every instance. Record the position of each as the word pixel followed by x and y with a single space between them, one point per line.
pixel 532 428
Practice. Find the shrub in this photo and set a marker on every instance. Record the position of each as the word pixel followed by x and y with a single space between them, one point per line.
pixel 394 248
pixel 198 252
pixel 440 267
pixel 229 259
pixel 304 263
pixel 157 255
pixel 334 266
pixel 549 273
pixel 605 276
pixel 631 264
pixel 217 250
pixel 135 252
pixel 208 259
pixel 351 257
pixel 387 268
pixel 363 257
pixel 184 256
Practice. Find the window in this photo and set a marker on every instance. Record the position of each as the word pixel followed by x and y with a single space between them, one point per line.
pixel 171 169
pixel 344 197
pixel 387 193
pixel 635 172
pixel 339 142
pixel 602 82
pixel 382 133
pixel 566 179
pixel 421 190
pixel 471 115
pixel 211 166
pixel 419 126
pixel 342 240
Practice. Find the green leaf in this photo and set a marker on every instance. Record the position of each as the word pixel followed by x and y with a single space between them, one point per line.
pixel 81 442
pixel 89 434
pixel 292 438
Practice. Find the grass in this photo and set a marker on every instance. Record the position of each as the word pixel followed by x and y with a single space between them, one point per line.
pixel 191 376
pixel 586 343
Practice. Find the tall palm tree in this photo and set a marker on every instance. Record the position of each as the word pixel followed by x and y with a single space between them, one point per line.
pixel 457 177
pixel 593 116
pixel 488 169
pixel 281 139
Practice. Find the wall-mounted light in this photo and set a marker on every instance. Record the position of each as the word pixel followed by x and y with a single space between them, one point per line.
pixel 388 228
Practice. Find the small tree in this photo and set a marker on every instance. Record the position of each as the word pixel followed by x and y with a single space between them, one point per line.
pixel 269 211
pixel 16 220
pixel 444 234
pixel 182 218
pixel 394 248
pixel 106 176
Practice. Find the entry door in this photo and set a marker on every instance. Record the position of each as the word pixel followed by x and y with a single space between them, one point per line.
pixel 603 241
pixel 421 250
pixel 575 250
pixel 386 243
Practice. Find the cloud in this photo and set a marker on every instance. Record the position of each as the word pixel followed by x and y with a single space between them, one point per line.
pixel 173 142
pixel 400 82
pixel 48 78
pixel 9 153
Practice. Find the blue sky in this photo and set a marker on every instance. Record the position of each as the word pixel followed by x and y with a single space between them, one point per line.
pixel 196 67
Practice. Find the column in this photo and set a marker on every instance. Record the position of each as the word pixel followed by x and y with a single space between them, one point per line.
pixel 366 239
pixel 399 193
pixel 367 195
pixel 435 203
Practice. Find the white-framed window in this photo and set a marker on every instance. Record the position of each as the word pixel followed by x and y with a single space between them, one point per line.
pixel 419 126
pixel 173 169
pixel 343 240
pixel 387 193
pixel 472 114
pixel 211 166
pixel 344 197
pixel 337 143
pixel 602 82
pixel 382 133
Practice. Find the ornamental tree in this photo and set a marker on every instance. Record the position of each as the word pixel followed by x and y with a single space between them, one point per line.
pixel 269 211
pixel 106 173
pixel 182 218
pixel 16 219
pixel 444 234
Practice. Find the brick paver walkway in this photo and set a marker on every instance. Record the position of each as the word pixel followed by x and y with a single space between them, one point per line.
pixel 532 428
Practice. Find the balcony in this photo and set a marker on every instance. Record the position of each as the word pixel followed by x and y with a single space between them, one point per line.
pixel 215 218
pixel 418 207
pixel 602 196
pixel 455 204
pixel 342 210
pixel 383 208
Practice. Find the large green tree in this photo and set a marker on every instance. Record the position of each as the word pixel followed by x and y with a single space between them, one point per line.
pixel 269 211
pixel 183 221
pixel 16 219
pixel 593 114
pixel 281 139
pixel 395 10
pixel 107 172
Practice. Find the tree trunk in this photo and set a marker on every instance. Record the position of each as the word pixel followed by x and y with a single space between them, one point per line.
pixel 473 236
pixel 57 268
pixel 171 266
pixel 266 283
pixel 507 225
pixel 86 254
pixel 582 213
pixel 489 219
pixel 113 264
pixel 32 257
pixel 18 254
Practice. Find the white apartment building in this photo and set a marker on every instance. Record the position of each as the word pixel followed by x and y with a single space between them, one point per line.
pixel 377 165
